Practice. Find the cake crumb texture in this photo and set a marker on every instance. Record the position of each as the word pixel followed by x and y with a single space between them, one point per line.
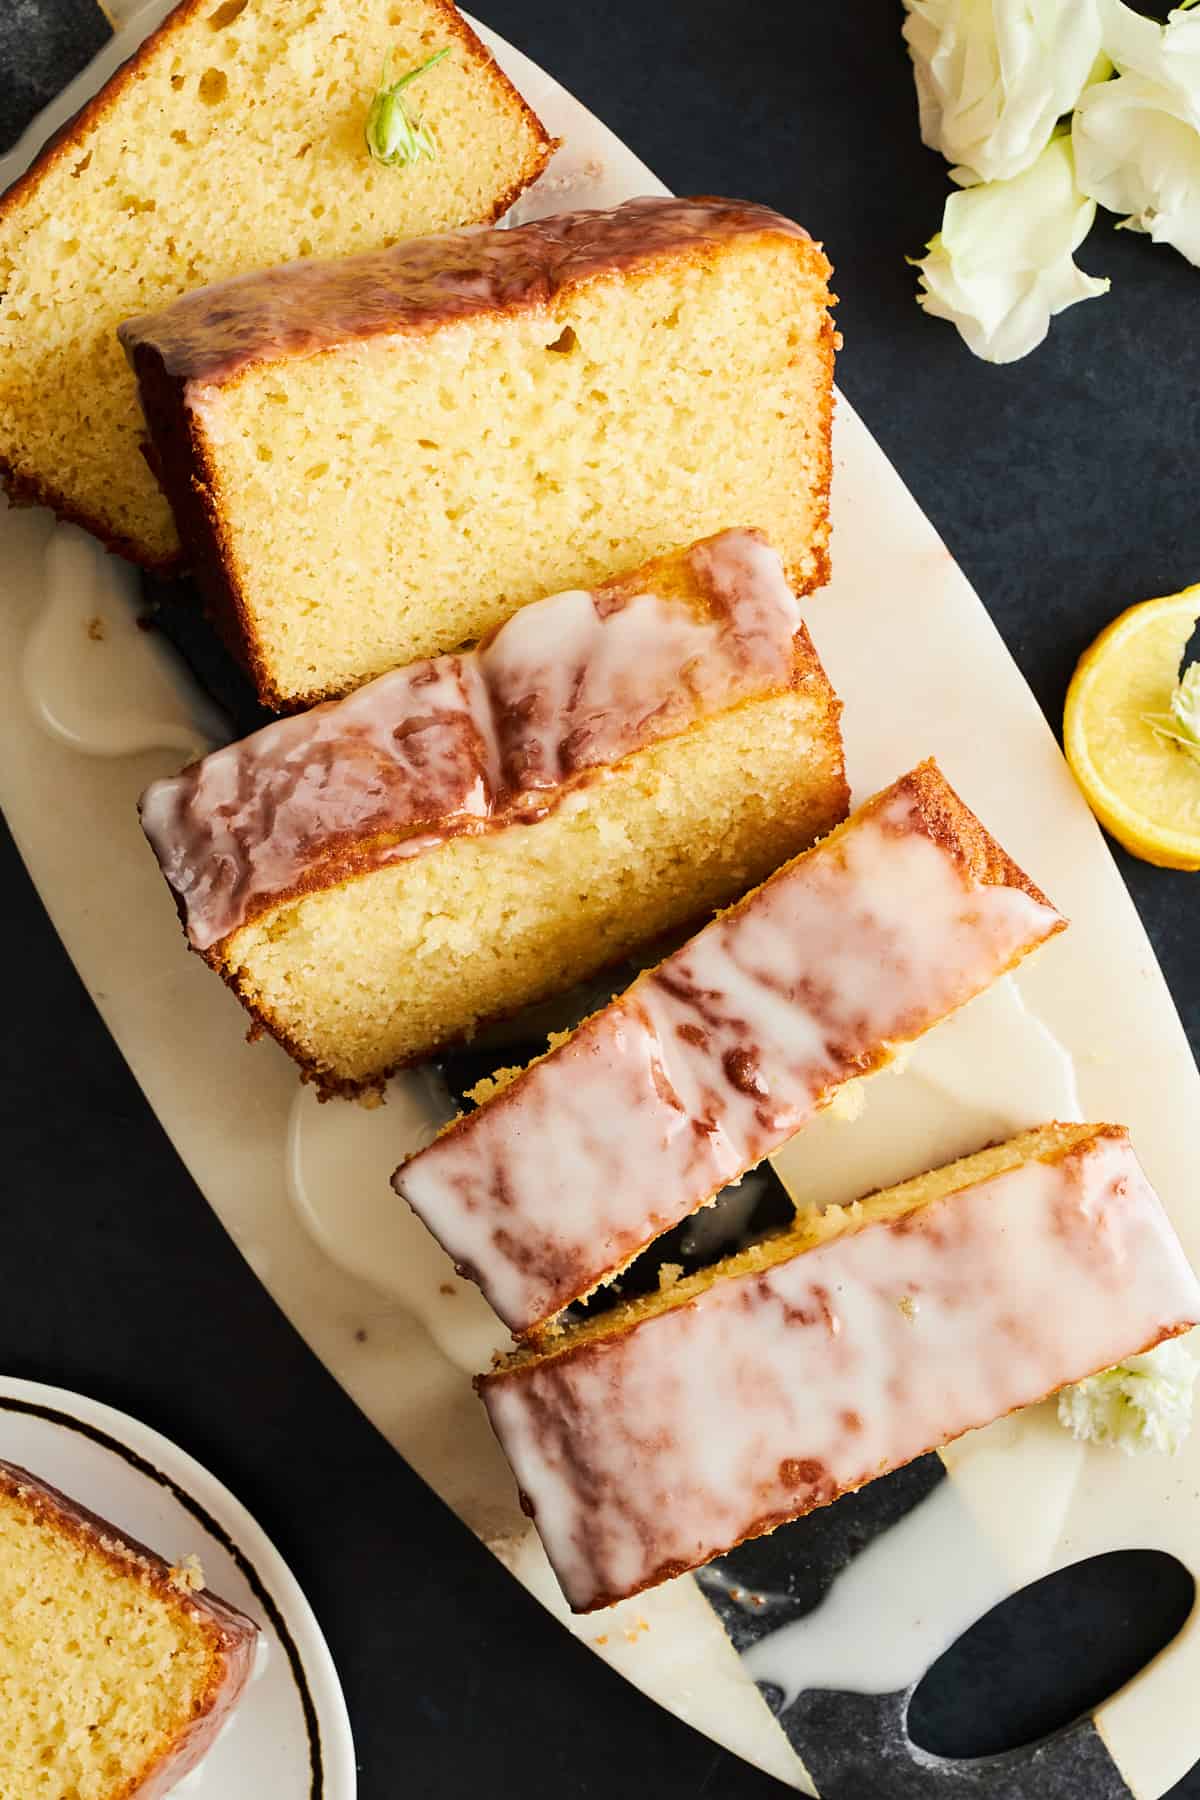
pixel 504 417
pixel 374 973
pixel 113 1681
pixel 233 139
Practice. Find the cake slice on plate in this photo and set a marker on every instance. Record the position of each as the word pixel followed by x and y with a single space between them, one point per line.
pixel 382 458
pixel 714 1058
pixel 116 1670
pixel 654 1437
pixel 233 138
pixel 462 837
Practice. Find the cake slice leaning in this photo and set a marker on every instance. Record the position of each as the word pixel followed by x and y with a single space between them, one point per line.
pixel 116 1670
pixel 656 1436
pixel 460 838
pixel 714 1058
pixel 384 457
pixel 233 138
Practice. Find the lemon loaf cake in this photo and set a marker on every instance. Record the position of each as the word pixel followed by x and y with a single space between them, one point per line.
pixel 234 138
pixel 116 1671
pixel 382 458
pixel 657 1436
pixel 717 1056
pixel 467 835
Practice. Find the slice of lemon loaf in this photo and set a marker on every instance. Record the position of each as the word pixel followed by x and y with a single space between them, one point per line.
pixel 717 1056
pixel 234 138
pixel 383 458
pixel 464 836
pixel 116 1671
pixel 660 1434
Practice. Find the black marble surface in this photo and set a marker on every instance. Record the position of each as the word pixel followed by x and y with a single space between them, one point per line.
pixel 1066 487
pixel 43 43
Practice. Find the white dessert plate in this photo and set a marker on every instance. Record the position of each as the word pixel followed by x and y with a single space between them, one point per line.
pixel 91 709
pixel 290 1734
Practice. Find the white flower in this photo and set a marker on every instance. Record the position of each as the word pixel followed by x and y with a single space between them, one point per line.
pixel 1145 1403
pixel 1137 139
pixel 1180 724
pixel 1002 266
pixel 995 76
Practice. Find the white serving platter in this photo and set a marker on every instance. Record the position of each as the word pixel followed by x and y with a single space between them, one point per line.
pixel 89 715
pixel 289 1735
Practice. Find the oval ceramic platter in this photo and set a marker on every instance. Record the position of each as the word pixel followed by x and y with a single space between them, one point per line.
pixel 289 1736
pixel 815 1693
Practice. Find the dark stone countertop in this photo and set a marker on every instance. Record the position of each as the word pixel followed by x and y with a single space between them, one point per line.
pixel 1066 487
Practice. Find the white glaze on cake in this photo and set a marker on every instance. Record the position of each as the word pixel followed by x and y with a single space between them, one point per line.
pixel 472 742
pixel 770 1393
pixel 713 1059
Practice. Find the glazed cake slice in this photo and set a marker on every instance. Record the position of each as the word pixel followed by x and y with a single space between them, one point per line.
pixel 462 837
pixel 717 1056
pixel 233 138
pixel 657 1436
pixel 116 1670
pixel 382 458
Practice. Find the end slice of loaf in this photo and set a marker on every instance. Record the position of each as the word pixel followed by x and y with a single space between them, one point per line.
pixel 460 838
pixel 118 1671
pixel 713 1059
pixel 383 458
pixel 232 139
pixel 661 1434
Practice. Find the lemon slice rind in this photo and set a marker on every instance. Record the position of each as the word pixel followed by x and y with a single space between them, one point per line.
pixel 1129 773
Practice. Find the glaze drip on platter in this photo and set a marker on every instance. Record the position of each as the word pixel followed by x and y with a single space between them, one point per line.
pixel 96 674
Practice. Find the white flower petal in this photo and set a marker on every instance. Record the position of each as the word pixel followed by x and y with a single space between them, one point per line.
pixel 1145 1403
pixel 993 77
pixel 1168 55
pixel 1002 265
pixel 1137 139
pixel 1133 41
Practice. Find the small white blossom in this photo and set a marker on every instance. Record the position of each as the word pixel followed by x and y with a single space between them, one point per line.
pixel 994 77
pixel 1145 1403
pixel 1137 139
pixel 1002 264
pixel 1180 724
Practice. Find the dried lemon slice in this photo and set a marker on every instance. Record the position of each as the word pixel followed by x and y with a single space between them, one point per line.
pixel 1131 731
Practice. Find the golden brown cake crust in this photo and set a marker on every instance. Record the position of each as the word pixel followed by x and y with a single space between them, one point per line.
pixel 232 1636
pixel 25 490
pixel 830 344
pixel 215 334
pixel 952 824
pixel 220 332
